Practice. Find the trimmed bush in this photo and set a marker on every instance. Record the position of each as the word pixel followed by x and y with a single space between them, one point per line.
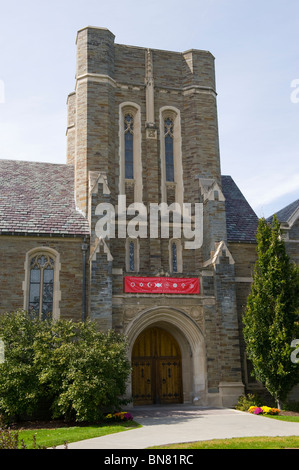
pixel 77 369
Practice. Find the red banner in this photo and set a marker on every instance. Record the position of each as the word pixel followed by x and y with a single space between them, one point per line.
pixel 161 285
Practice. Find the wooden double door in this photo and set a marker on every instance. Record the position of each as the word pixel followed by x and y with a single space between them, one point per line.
pixel 156 368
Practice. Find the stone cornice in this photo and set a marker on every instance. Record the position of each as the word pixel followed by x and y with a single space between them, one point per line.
pixel 102 78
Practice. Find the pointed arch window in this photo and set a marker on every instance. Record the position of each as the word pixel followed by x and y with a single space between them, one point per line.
pixel 171 155
pixel 168 139
pixel 41 285
pixel 130 162
pixel 129 143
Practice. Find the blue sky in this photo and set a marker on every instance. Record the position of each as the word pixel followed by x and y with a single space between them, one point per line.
pixel 256 49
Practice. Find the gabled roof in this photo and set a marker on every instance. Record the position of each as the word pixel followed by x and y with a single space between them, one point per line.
pixel 39 198
pixel 241 220
pixel 287 214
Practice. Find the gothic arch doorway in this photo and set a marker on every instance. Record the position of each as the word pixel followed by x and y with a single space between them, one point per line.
pixel 156 368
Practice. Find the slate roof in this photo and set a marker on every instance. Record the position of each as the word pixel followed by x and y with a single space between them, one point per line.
pixel 39 198
pixel 241 220
pixel 286 213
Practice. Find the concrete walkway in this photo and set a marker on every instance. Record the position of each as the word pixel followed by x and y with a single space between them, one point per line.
pixel 187 423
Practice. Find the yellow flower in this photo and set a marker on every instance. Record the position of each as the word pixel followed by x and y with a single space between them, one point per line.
pixel 266 409
pixel 251 409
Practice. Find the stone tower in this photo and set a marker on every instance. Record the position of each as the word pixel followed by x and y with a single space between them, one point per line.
pixel 142 124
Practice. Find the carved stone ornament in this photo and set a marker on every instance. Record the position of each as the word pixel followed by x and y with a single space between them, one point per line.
pixel 151 133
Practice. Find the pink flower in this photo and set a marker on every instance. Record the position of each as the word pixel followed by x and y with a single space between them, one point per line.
pixel 258 410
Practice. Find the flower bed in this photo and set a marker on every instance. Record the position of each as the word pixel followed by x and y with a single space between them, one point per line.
pixel 119 416
pixel 263 410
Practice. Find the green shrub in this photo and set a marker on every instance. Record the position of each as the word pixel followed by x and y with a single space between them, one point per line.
pixel 72 366
pixel 246 401
pixel 8 439
pixel 19 384
pixel 291 406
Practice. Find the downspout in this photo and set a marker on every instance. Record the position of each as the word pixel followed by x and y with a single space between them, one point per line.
pixel 84 248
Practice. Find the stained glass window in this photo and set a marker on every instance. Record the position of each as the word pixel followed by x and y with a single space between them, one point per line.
pixel 41 285
pixel 129 137
pixel 168 137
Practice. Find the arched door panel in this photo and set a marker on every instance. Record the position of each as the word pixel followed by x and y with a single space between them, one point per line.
pixel 156 368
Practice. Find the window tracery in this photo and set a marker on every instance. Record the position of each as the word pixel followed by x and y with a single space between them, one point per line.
pixel 41 285
pixel 171 155
pixel 130 162
pixel 129 146
pixel 168 139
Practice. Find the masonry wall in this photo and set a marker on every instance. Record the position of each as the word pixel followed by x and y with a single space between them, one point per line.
pixel 245 256
pixel 13 251
pixel 293 242
pixel 109 75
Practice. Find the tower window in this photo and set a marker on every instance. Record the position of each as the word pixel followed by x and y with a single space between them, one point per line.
pixel 129 138
pixel 172 186
pixel 130 162
pixel 169 160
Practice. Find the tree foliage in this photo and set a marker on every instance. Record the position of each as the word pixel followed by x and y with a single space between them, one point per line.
pixel 77 369
pixel 270 317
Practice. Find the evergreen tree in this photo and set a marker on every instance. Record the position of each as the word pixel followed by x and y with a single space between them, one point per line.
pixel 270 316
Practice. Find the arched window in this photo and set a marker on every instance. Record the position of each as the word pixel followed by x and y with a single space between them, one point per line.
pixel 41 287
pixel 130 166
pixel 168 139
pixel 171 155
pixel 129 142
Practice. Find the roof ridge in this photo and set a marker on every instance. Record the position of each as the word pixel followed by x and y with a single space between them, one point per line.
pixel 11 160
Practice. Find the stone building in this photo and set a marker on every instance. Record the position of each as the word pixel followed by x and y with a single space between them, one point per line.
pixel 142 136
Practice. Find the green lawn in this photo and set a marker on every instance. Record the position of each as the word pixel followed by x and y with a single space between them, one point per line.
pixel 290 442
pixel 55 437
pixel 294 419
pixel 58 436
